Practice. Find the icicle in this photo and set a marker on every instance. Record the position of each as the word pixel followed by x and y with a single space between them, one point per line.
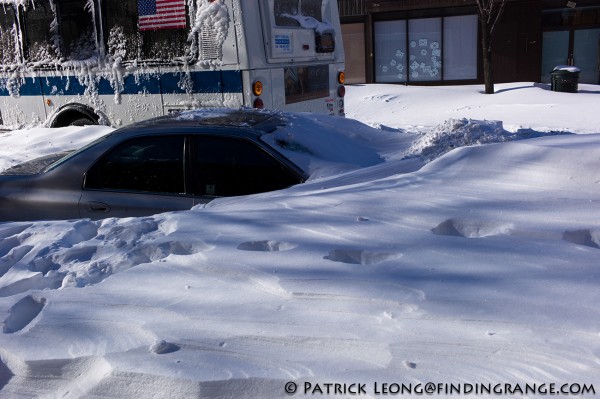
pixel 54 31
pixel 90 7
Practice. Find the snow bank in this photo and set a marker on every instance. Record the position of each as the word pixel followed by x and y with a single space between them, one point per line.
pixel 479 268
pixel 20 146
pixel 453 133
pixel 521 105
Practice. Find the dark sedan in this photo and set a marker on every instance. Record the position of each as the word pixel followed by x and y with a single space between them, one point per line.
pixel 163 164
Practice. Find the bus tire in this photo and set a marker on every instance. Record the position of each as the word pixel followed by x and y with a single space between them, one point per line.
pixel 73 114
pixel 82 122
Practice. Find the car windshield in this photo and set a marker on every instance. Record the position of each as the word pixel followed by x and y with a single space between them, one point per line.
pixel 34 166
pixel 75 153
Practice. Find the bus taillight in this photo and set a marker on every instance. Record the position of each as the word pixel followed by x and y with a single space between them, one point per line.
pixel 258 104
pixel 341 91
pixel 341 77
pixel 257 88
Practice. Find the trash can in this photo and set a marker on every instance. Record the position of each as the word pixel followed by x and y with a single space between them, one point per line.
pixel 565 79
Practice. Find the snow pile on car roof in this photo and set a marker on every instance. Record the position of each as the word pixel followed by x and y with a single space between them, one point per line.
pixel 324 145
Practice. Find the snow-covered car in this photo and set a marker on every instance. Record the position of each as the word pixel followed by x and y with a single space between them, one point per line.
pixel 164 164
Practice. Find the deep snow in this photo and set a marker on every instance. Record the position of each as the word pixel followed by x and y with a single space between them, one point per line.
pixel 472 265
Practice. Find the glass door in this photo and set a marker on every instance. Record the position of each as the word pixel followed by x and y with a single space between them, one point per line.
pixel 354 49
pixel 580 48
pixel 586 55
pixel 555 51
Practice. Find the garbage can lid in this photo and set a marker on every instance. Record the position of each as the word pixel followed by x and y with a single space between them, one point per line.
pixel 566 68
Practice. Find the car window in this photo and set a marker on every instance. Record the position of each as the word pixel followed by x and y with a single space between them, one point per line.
pixel 149 164
pixel 230 166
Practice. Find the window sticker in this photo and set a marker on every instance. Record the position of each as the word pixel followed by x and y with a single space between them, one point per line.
pixel 283 43
pixel 423 42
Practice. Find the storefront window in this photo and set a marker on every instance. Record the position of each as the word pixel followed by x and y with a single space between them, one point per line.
pixel 460 47
pixel 425 49
pixel 586 51
pixel 419 50
pixel 572 47
pixel 555 51
pixel 390 52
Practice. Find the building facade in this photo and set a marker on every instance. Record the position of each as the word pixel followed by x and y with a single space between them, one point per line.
pixel 437 42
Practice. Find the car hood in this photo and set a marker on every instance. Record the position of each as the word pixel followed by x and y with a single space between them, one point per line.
pixel 34 166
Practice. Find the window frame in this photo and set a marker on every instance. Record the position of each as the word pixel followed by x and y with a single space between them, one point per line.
pixel 270 152
pixel 410 15
pixel 14 12
pixel 109 151
pixel 64 58
pixel 292 23
pixel 181 59
pixel 27 43
pixel 66 22
pixel 189 159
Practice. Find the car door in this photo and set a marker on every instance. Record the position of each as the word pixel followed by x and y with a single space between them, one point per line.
pixel 225 166
pixel 141 176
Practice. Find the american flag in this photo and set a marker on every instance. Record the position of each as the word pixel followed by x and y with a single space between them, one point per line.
pixel 161 14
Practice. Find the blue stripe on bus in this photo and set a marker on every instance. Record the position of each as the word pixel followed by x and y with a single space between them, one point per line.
pixel 165 83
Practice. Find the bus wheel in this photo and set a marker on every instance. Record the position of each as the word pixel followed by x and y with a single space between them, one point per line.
pixel 82 122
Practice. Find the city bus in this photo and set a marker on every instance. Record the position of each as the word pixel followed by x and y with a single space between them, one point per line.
pixel 115 62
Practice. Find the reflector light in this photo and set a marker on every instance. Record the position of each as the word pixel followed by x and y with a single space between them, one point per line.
pixel 257 88
pixel 341 91
pixel 341 78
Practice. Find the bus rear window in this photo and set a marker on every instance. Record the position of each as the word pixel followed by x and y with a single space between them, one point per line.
pixel 9 53
pixel 128 42
pixel 306 83
pixel 287 11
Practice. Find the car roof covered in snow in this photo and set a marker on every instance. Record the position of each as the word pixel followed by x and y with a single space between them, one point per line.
pixel 261 121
